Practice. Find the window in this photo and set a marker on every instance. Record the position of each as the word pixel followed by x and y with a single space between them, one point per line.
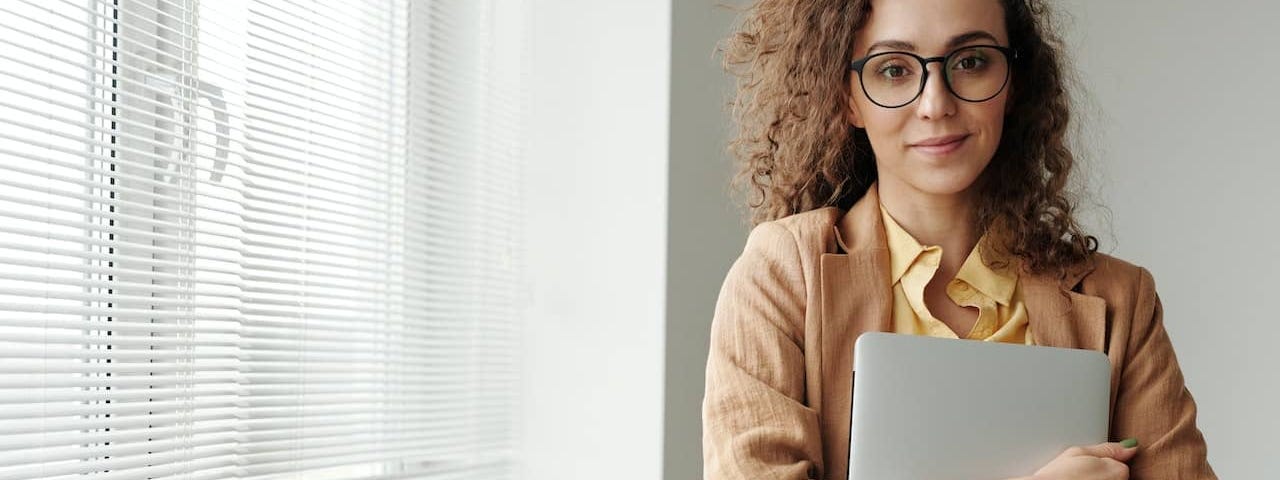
pixel 259 239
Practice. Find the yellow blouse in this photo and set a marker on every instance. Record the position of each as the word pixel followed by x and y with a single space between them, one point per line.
pixel 1002 315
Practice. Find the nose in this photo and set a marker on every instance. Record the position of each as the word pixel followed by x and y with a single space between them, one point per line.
pixel 936 101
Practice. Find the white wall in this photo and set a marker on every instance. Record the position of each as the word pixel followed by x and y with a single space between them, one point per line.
pixel 1186 143
pixel 596 236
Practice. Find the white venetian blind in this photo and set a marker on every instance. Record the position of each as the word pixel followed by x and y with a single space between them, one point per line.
pixel 259 239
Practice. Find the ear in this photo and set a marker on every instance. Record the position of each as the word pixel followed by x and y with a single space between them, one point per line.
pixel 851 113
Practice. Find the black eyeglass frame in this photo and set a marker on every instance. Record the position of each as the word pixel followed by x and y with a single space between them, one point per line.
pixel 1011 56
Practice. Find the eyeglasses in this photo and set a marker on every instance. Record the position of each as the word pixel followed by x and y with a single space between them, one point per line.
pixel 974 74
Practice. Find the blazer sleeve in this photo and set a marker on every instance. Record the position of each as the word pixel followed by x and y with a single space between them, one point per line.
pixel 755 422
pixel 1153 403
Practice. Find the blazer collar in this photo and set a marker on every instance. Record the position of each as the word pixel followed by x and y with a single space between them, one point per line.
pixel 856 296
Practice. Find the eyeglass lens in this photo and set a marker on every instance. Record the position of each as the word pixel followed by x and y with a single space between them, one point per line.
pixel 974 74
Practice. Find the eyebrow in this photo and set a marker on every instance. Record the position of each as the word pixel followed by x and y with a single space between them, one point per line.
pixel 955 41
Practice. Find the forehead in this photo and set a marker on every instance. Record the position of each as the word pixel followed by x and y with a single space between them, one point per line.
pixel 929 24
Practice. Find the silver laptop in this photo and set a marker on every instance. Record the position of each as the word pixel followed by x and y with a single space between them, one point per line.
pixel 938 409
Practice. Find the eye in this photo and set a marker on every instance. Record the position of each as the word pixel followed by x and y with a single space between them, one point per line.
pixel 971 62
pixel 893 72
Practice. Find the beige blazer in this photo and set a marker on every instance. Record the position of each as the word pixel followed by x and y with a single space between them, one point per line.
pixel 778 376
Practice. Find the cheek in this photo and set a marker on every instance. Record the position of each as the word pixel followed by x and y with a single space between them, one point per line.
pixel 989 118
pixel 885 129
pixel 993 122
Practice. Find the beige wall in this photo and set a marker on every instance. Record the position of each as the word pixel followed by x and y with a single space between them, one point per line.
pixel 705 232
pixel 1186 151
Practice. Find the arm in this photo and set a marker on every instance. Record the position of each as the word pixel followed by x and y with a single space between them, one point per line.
pixel 755 424
pixel 1153 404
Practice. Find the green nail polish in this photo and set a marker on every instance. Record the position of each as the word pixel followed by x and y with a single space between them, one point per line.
pixel 1129 443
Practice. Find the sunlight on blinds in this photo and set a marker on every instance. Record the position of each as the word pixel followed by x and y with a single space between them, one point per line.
pixel 259 239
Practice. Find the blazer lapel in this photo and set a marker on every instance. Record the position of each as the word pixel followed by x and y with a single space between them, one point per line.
pixel 1060 317
pixel 855 298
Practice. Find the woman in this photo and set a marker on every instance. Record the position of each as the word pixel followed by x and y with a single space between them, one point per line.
pixel 910 167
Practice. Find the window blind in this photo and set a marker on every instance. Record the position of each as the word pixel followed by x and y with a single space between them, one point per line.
pixel 259 239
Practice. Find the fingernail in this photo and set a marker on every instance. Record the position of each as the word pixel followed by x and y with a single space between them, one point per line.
pixel 1129 443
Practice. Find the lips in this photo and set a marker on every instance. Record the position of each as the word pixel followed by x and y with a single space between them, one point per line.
pixel 940 145
pixel 943 140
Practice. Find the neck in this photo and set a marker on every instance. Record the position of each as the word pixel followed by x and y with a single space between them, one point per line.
pixel 943 220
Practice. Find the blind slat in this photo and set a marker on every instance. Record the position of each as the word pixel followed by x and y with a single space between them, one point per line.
pixel 258 239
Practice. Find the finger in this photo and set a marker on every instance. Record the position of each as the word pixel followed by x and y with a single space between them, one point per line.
pixel 1127 452
pixel 1114 450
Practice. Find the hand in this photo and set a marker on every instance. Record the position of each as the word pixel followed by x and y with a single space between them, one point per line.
pixel 1104 461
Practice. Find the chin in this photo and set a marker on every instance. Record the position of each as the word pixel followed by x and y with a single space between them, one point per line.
pixel 943 181
pixel 942 186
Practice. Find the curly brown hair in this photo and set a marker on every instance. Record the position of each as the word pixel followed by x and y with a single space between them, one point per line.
pixel 797 152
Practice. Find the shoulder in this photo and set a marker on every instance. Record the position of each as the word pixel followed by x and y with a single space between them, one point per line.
pixel 1111 277
pixel 801 235
pixel 785 253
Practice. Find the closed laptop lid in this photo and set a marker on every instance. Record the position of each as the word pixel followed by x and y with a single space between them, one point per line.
pixel 934 408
